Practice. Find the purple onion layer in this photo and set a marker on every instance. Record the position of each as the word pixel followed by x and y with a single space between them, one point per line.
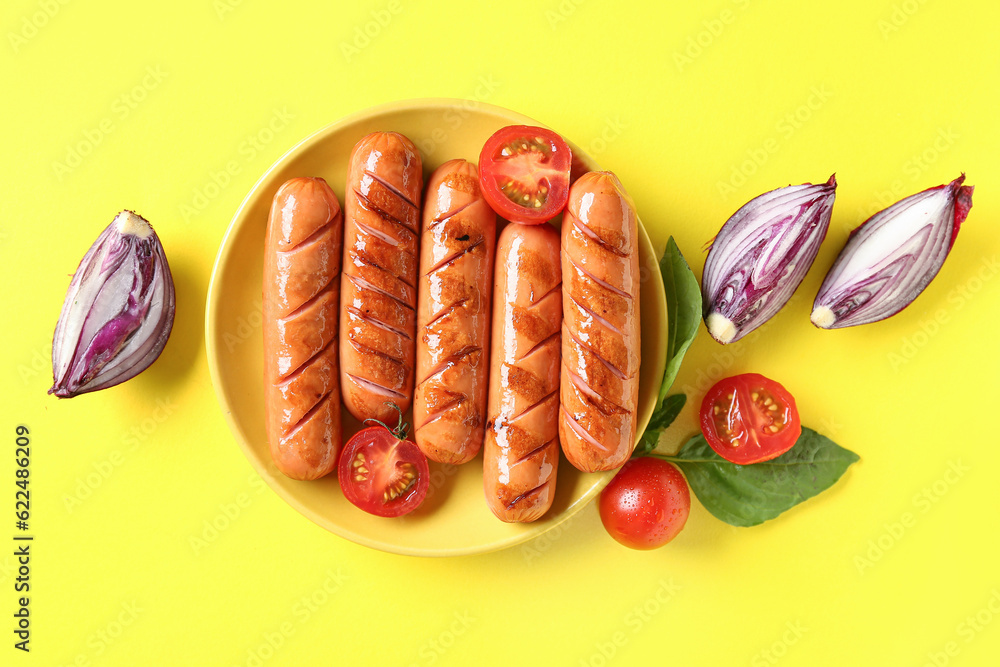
pixel 891 257
pixel 761 255
pixel 118 311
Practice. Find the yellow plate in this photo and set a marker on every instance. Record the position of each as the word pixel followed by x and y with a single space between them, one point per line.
pixel 454 519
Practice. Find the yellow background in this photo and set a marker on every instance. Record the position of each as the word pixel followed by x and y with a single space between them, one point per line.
pixel 698 107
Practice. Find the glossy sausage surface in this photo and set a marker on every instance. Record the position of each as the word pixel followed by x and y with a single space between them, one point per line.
pixel 521 449
pixel 453 315
pixel 600 335
pixel 301 294
pixel 379 295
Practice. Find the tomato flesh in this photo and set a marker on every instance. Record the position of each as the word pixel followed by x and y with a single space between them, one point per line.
pixel 524 173
pixel 646 504
pixel 381 474
pixel 749 418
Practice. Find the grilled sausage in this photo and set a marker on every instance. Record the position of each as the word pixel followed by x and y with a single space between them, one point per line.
pixel 600 335
pixel 453 315
pixel 521 449
pixel 300 305
pixel 379 297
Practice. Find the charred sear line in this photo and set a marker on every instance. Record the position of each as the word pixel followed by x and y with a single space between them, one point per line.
pixel 605 406
pixel 311 300
pixel 611 367
pixel 533 452
pixel 441 411
pixel 313 410
pixel 578 430
pixel 597 317
pixel 533 406
pixel 369 205
pixel 540 344
pixel 365 381
pixel 363 284
pixel 388 239
pixel 368 260
pixel 445 217
pixel 371 351
pixel 526 495
pixel 597 280
pixel 447 261
pixel 374 321
pixel 291 375
pixel 446 311
pixel 312 238
pixel 554 290
pixel 391 188
pixel 452 361
pixel 593 236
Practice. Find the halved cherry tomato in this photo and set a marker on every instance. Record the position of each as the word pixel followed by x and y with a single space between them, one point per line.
pixel 383 473
pixel 646 504
pixel 749 418
pixel 524 173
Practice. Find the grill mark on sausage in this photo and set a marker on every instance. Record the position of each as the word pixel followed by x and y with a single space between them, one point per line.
pixel 291 375
pixel 527 494
pixel 597 317
pixel 311 300
pixel 363 284
pixel 611 367
pixel 367 261
pixel 606 406
pixel 592 235
pixel 538 346
pixel 374 386
pixel 578 430
pixel 378 323
pixel 445 311
pixel 451 361
pixel 554 290
pixel 312 238
pixel 597 280
pixel 313 410
pixel 455 256
pixel 365 258
pixel 390 187
pixel 532 407
pixel 364 349
pixel 458 400
pixel 367 204
pixel 534 451
pixel 386 238
pixel 444 217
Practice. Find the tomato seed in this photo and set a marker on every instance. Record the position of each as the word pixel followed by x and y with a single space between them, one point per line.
pixel 401 485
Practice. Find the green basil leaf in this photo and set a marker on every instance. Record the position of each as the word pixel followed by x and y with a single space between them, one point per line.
pixel 662 417
pixel 683 310
pixel 749 495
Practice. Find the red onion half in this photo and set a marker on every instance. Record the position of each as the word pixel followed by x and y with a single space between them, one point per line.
pixel 890 258
pixel 760 256
pixel 118 312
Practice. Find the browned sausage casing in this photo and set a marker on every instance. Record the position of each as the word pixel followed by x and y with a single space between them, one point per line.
pixel 300 307
pixel 600 336
pixel 379 295
pixel 453 315
pixel 521 450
